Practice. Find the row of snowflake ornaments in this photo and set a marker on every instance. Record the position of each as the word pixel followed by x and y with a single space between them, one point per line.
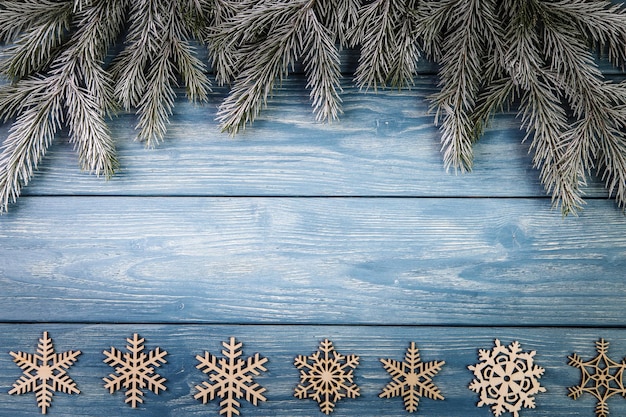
pixel 506 378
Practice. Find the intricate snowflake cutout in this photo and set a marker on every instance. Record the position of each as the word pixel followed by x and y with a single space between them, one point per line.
pixel 411 379
pixel 231 377
pixel 506 378
pixel 601 377
pixel 134 370
pixel 45 372
pixel 326 376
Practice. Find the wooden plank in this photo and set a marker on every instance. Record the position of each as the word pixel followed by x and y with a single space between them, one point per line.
pixel 312 260
pixel 385 145
pixel 281 344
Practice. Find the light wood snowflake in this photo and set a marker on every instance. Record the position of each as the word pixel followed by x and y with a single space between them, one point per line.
pixel 135 370
pixel 326 376
pixel 601 377
pixel 45 372
pixel 411 379
pixel 231 378
pixel 506 378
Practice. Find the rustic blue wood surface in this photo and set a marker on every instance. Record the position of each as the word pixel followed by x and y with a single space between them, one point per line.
pixel 296 231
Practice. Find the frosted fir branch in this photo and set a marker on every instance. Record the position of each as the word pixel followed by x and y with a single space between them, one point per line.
pixel 157 49
pixel 237 25
pixel 29 138
pixel 98 28
pixel 222 40
pixel 387 33
pixel 597 138
pixel 460 75
pixel 192 69
pixel 88 92
pixel 340 17
pixel 34 48
pixel 601 20
pixel 80 5
pixel 276 33
pixel 321 60
pixel 175 56
pixel 73 92
pixel 14 97
pixel 542 112
pixel 158 101
pixel 18 17
pixel 128 69
pixel 407 54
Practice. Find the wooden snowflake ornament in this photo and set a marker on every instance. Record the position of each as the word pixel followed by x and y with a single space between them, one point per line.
pixel 411 379
pixel 231 378
pixel 601 377
pixel 134 370
pixel 45 372
pixel 506 378
pixel 326 376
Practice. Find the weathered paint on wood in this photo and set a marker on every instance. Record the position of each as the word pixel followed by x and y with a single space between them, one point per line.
pixel 313 260
pixel 458 347
pixel 386 144
pixel 296 231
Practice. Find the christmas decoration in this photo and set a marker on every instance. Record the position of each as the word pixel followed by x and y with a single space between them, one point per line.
pixel 135 370
pixel 535 55
pixel 231 378
pixel 506 378
pixel 411 379
pixel 326 376
pixel 45 372
pixel 601 377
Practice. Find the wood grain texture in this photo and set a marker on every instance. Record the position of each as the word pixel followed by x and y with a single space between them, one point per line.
pixel 312 260
pixel 386 144
pixel 296 231
pixel 281 344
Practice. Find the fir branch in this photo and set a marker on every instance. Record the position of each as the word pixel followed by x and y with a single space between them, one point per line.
pixel 88 89
pixel 34 48
pixel 29 138
pixel 340 17
pixel 388 34
pixel 157 48
pixel 190 67
pixel 17 17
pixel 461 76
pixel 541 108
pixel 13 97
pixel 272 35
pixel 222 46
pixel 601 20
pixel 267 60
pixel 128 69
pixel 490 53
pixel 321 60
pixel 597 137
pixel 158 100
pixel 238 25
pixel 76 90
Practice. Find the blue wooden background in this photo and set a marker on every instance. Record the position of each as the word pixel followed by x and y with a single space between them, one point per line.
pixel 294 232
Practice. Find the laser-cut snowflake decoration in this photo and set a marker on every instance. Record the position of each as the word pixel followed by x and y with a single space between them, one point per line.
pixel 231 378
pixel 411 379
pixel 134 370
pixel 45 372
pixel 506 378
pixel 601 377
pixel 326 376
